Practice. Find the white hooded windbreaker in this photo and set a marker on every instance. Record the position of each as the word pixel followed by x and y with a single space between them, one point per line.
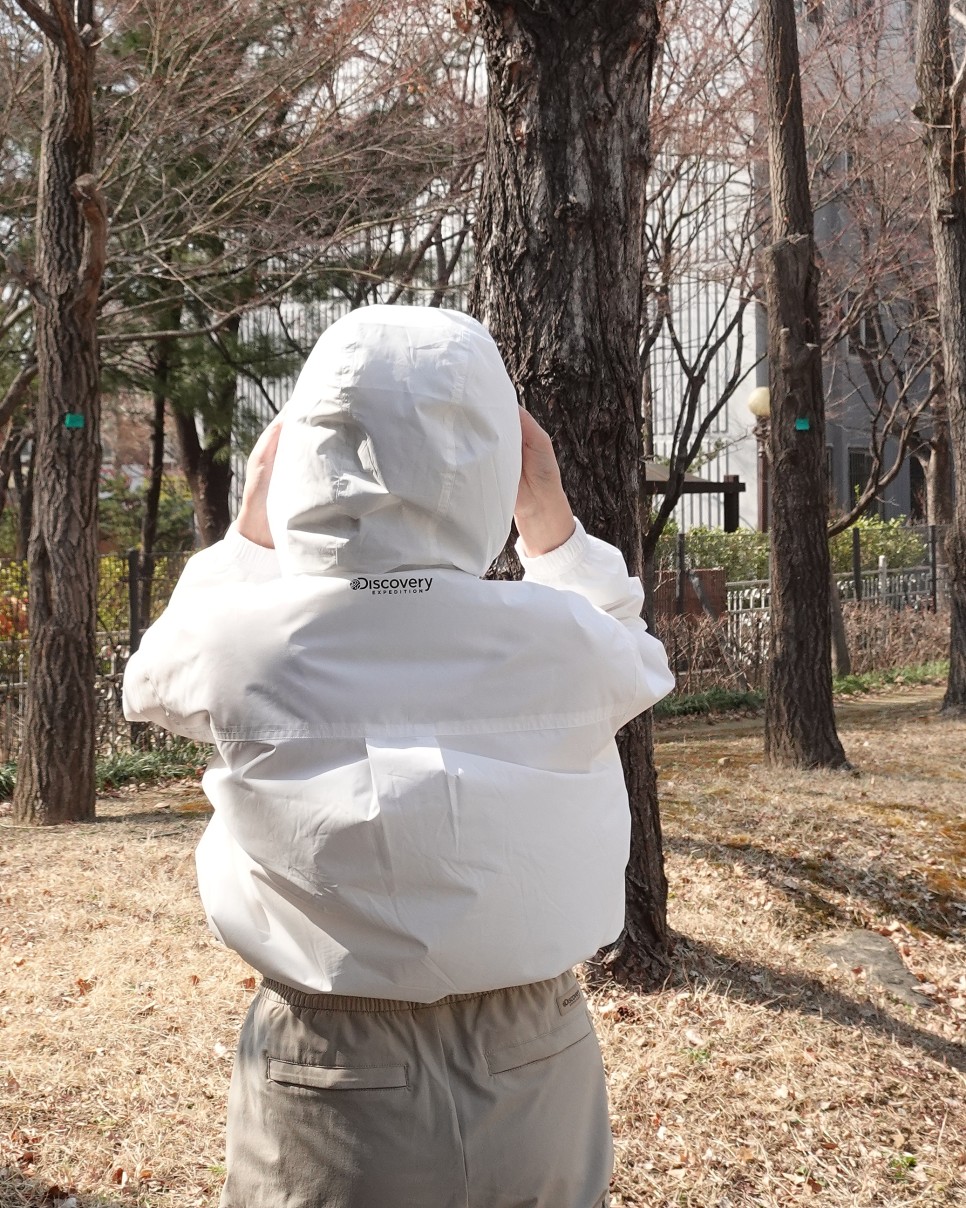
pixel 416 788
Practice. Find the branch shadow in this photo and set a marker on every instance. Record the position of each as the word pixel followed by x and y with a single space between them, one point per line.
pixel 941 914
pixel 758 984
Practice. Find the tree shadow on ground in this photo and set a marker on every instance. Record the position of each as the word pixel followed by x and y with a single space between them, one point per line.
pixel 859 713
pixel 904 896
pixel 179 819
pixel 19 1191
pixel 699 964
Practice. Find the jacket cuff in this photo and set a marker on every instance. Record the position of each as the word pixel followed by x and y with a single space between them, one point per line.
pixel 559 562
pixel 256 560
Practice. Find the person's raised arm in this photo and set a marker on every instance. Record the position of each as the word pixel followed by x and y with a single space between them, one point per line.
pixel 555 550
pixel 542 513
pixel 158 674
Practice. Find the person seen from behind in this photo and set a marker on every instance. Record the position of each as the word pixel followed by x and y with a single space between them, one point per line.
pixel 420 820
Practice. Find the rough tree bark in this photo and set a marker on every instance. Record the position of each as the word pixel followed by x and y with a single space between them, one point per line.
pixel 55 776
pixel 206 462
pixel 942 90
pixel 207 468
pixel 799 716
pixel 558 283
pixel 162 355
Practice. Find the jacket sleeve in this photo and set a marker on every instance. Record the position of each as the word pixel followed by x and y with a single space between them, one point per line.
pixel 597 571
pixel 158 682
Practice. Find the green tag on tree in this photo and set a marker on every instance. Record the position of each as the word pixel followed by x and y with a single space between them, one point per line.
pixel 73 420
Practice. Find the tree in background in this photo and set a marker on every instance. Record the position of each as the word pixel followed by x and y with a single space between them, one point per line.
pixel 259 160
pixel 701 227
pixel 55 781
pixel 559 247
pixel 878 284
pixel 799 717
pixel 942 90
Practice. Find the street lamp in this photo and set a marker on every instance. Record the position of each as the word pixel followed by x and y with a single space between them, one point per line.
pixel 759 404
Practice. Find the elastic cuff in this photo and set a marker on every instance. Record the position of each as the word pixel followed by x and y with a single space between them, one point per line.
pixel 257 558
pixel 559 561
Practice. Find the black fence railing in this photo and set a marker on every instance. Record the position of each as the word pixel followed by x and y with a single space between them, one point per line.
pixel 716 634
pixel 132 591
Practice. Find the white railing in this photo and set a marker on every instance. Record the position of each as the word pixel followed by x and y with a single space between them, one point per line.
pixel 908 587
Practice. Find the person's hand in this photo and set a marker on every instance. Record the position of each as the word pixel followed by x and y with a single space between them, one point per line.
pixel 542 514
pixel 252 520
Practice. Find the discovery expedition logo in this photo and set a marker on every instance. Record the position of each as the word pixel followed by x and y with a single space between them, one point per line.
pixel 394 586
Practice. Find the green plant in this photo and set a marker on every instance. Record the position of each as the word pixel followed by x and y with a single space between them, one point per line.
pixel 121 510
pixel 176 760
pixel 901 545
pixel 744 554
pixel 900 1166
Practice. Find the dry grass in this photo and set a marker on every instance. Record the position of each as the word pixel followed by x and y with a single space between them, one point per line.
pixel 732 653
pixel 763 1075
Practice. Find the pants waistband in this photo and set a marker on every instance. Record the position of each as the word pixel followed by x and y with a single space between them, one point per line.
pixel 371 1006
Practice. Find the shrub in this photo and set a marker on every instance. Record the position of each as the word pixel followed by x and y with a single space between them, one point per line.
pixel 744 554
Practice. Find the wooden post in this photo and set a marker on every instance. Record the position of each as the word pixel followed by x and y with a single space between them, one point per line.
pixel 933 569
pixel 133 600
pixel 857 562
pixel 731 506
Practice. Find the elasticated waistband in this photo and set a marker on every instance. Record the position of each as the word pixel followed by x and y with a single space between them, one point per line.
pixel 370 1006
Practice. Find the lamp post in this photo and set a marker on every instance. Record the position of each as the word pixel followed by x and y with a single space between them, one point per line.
pixel 759 404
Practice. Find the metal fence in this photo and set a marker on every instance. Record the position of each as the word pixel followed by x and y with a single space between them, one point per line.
pixel 918 587
pixel 132 592
pixel 893 617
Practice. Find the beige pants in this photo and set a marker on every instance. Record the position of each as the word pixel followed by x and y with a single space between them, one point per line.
pixel 478 1101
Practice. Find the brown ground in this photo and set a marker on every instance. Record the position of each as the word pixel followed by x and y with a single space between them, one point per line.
pixel 763 1075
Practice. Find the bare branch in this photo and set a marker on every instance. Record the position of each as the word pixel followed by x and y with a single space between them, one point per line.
pixel 26 277
pixel 17 391
pixel 42 19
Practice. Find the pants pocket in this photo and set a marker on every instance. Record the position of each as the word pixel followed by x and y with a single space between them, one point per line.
pixel 337 1077
pixel 539 1048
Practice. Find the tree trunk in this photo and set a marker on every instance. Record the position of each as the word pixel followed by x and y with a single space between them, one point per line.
pixel 25 500
pixel 799 714
pixel 941 94
pixel 939 470
pixel 55 776
pixel 208 471
pixel 207 463
pixel 149 520
pixel 152 498
pixel 559 266
pixel 841 658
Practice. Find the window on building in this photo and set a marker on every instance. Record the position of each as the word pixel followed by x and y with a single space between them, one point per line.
pixel 860 467
pixel 861 331
pixel 917 491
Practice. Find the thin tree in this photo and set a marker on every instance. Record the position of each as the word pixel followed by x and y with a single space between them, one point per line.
pixel 942 90
pixel 701 232
pixel 55 776
pixel 559 254
pixel 799 715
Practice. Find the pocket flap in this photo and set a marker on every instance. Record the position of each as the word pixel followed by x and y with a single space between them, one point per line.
pixel 337 1077
pixel 540 1047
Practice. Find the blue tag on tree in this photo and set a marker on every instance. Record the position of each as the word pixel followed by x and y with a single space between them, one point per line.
pixel 802 424
pixel 73 420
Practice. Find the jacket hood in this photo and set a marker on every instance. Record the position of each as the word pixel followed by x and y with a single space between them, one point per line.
pixel 400 447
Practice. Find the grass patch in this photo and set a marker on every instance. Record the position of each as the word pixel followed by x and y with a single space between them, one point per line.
pixel 869 681
pixel 715 700
pixel 173 762
pixel 723 700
